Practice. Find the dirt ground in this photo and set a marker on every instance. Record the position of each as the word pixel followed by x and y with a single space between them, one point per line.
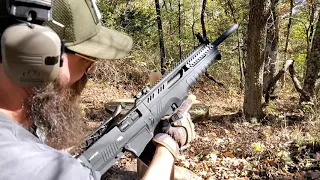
pixel 284 145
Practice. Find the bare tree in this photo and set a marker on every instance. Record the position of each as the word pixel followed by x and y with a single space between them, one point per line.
pixel 241 65
pixel 204 38
pixel 193 24
pixel 203 11
pixel 271 50
pixel 288 30
pixel 312 22
pixel 313 64
pixel 160 33
pixel 179 28
pixel 258 15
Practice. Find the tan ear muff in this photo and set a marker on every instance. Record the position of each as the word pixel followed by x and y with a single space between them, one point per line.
pixel 31 54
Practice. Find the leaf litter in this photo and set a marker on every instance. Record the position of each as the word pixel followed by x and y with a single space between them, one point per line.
pixel 285 145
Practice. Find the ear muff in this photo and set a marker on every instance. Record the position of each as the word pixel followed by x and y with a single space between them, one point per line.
pixel 31 54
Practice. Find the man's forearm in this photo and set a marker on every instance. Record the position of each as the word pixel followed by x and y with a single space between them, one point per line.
pixel 161 165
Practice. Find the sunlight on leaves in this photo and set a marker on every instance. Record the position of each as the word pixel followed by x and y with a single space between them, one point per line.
pixel 258 147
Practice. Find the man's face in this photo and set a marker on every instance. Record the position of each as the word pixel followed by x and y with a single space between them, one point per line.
pixel 74 67
pixel 54 108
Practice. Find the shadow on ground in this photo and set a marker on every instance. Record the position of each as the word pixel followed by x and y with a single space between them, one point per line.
pixel 117 173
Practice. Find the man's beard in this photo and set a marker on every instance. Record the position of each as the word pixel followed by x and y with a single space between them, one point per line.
pixel 56 113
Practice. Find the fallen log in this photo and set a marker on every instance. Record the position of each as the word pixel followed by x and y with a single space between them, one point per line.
pixel 288 65
pixel 274 80
pixel 305 95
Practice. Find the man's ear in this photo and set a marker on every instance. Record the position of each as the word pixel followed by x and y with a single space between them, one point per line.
pixel 154 77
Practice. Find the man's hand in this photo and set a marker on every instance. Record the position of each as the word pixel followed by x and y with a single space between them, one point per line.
pixel 173 133
pixel 172 140
pixel 177 130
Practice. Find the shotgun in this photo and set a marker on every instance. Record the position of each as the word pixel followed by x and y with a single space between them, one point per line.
pixel 133 131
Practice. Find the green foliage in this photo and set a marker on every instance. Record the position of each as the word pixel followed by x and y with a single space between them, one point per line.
pixel 297 49
pixel 138 19
pixel 135 22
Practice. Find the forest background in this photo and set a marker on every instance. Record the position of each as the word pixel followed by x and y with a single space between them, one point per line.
pixel 261 97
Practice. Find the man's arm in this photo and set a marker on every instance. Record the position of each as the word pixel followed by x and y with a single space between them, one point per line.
pixel 161 165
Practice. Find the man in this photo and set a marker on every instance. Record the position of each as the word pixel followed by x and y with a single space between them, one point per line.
pixel 49 113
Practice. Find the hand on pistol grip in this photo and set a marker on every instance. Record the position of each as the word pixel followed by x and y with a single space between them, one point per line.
pixel 177 130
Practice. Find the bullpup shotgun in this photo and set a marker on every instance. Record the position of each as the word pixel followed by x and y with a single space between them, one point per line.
pixel 133 131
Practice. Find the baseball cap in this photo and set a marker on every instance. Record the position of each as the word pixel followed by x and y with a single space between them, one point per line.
pixel 83 32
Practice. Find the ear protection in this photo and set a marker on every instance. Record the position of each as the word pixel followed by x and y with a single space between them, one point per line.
pixel 31 53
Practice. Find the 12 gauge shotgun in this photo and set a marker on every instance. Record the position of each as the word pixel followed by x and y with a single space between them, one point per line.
pixel 134 130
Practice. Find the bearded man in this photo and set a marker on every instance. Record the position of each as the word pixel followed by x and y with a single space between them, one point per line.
pixel 35 122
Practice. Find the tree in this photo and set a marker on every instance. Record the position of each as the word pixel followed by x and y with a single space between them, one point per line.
pixel 203 10
pixel 240 60
pixel 312 22
pixel 179 28
pixel 160 33
pixel 313 64
pixel 288 30
pixel 258 14
pixel 271 50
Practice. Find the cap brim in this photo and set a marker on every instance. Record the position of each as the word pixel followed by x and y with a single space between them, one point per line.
pixel 107 44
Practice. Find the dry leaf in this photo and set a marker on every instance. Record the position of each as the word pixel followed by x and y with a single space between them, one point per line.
pixel 270 162
pixel 203 173
pixel 185 164
pixel 228 154
pixel 233 133
pixel 284 171
pixel 258 147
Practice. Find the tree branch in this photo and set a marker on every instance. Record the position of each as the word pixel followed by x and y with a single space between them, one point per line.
pixel 305 95
pixel 212 79
pixel 274 80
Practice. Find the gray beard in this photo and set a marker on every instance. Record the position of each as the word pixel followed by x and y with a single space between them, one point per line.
pixel 57 115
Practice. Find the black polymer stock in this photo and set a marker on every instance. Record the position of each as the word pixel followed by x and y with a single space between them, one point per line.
pixel 134 131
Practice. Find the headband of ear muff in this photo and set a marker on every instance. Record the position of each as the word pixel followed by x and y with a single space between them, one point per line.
pixel 31 54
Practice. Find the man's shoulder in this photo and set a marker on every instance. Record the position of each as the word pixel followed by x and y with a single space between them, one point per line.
pixel 11 130
pixel 16 141
pixel 23 155
pixel 38 161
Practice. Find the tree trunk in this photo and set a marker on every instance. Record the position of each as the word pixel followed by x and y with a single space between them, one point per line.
pixel 204 38
pixel 179 28
pixel 287 40
pixel 161 43
pixel 310 30
pixel 313 64
pixel 259 11
pixel 271 51
pixel 203 11
pixel 193 24
pixel 288 31
pixel 240 60
pixel 170 21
